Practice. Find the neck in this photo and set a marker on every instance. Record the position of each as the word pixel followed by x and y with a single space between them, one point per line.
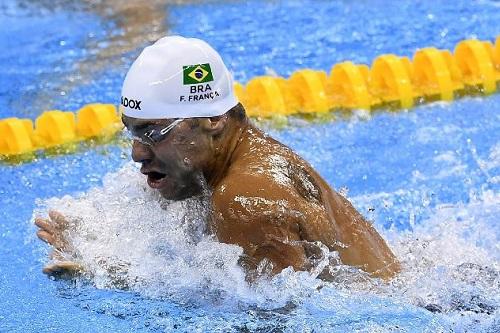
pixel 225 148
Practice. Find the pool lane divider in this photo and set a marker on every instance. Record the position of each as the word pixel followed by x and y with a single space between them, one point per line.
pixel 54 128
pixel 431 75
pixel 395 81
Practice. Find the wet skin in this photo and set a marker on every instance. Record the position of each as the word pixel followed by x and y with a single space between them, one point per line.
pixel 265 198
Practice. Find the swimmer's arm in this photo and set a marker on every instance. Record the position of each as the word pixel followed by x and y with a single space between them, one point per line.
pixel 266 235
pixel 280 253
pixel 361 244
pixel 266 250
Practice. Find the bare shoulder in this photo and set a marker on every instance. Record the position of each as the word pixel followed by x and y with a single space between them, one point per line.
pixel 249 194
pixel 252 209
pixel 268 178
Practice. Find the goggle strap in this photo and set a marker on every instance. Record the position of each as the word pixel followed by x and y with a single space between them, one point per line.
pixel 170 127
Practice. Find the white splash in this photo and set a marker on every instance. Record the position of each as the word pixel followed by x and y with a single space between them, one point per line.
pixel 451 263
pixel 128 236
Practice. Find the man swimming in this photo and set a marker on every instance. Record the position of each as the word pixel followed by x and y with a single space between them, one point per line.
pixel 190 132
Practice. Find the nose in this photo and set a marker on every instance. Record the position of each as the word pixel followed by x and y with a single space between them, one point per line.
pixel 141 153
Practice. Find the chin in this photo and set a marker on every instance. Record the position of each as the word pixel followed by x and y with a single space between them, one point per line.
pixel 173 196
pixel 183 194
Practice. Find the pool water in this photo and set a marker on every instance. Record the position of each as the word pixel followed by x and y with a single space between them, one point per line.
pixel 428 178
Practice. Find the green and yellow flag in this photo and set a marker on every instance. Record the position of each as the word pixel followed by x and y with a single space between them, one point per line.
pixel 194 74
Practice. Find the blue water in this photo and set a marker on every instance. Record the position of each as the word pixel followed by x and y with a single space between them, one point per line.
pixel 428 178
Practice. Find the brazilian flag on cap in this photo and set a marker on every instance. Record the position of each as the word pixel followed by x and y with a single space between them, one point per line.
pixel 194 74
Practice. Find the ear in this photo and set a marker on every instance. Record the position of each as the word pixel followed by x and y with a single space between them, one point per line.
pixel 214 125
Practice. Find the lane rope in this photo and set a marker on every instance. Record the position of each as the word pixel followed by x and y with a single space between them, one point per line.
pixel 432 74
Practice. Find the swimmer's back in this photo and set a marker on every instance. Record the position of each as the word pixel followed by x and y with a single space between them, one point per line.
pixel 271 202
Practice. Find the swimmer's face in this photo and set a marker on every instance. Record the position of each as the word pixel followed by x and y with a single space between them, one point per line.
pixel 173 161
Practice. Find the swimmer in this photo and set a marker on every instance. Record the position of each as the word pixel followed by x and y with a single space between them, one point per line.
pixel 190 132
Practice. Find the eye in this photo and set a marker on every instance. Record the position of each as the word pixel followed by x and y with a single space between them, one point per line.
pixel 150 136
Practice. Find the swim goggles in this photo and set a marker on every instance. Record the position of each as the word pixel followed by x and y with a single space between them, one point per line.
pixel 155 135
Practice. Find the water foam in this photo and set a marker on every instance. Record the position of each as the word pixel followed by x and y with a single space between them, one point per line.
pixel 450 262
pixel 128 236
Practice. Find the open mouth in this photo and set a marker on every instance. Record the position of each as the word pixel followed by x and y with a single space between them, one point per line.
pixel 155 179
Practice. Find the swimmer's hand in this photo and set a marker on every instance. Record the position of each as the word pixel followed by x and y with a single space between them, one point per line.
pixel 63 269
pixel 53 231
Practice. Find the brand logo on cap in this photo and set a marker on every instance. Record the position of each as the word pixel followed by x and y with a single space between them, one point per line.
pixel 194 74
pixel 131 103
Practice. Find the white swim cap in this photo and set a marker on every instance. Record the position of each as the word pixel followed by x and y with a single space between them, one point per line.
pixel 177 77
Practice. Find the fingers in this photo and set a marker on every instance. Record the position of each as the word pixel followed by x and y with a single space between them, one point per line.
pixel 57 218
pixel 62 268
pixel 44 225
pixel 46 237
pixel 52 231
pixel 51 269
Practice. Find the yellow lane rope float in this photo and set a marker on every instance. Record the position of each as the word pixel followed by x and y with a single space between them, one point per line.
pixel 431 75
pixel 54 128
